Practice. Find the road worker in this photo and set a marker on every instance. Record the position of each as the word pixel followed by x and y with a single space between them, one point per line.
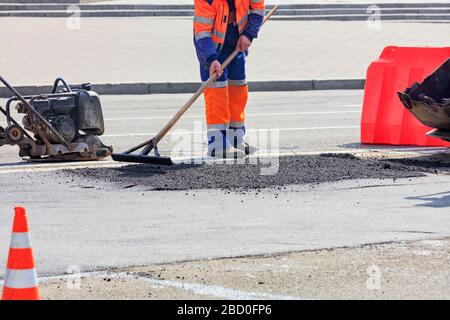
pixel 219 27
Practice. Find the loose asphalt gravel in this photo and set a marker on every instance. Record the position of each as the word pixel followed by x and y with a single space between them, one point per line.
pixel 293 170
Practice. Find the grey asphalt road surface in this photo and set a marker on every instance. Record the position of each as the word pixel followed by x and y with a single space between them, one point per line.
pixel 94 224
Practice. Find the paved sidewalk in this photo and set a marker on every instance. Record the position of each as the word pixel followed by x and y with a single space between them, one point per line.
pixel 130 50
pixel 189 2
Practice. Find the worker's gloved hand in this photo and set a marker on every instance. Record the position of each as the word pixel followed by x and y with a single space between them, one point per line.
pixel 244 43
pixel 215 67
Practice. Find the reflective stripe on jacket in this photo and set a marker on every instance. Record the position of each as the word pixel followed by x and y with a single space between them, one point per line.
pixel 211 21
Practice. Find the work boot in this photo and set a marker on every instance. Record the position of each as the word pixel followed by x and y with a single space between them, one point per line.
pixel 248 149
pixel 220 147
pixel 237 138
pixel 229 152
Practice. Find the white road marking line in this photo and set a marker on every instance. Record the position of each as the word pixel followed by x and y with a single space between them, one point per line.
pixel 218 291
pixel 250 130
pixel 200 289
pixel 248 115
pixel 425 150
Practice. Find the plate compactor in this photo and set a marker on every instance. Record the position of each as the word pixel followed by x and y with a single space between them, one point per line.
pixel 63 125
pixel 429 102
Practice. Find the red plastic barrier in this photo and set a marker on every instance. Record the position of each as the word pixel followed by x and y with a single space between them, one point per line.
pixel 384 118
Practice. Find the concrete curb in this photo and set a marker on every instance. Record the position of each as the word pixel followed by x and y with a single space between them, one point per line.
pixel 191 87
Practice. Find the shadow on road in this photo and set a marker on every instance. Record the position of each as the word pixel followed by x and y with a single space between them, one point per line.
pixel 436 163
pixel 437 200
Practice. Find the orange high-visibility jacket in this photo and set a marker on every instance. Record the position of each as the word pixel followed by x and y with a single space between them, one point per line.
pixel 211 17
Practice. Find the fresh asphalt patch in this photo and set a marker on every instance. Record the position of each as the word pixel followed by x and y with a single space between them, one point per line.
pixel 431 163
pixel 280 172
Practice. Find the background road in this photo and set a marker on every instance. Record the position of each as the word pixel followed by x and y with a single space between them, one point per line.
pixel 307 121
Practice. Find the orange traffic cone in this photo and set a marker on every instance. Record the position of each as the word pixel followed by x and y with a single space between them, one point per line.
pixel 21 278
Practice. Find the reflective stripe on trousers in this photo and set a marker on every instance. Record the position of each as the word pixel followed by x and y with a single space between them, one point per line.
pixel 218 84
pixel 237 82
